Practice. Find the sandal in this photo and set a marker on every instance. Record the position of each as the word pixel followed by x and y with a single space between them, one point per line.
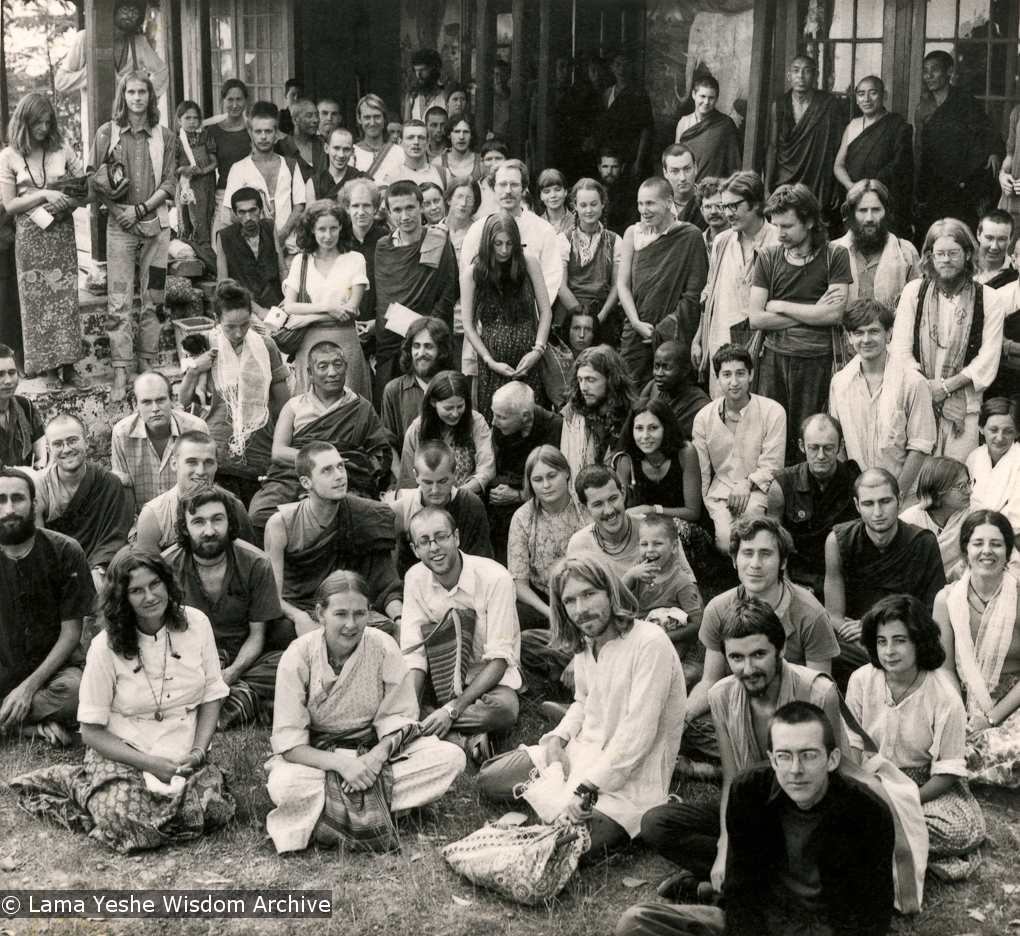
pixel 479 748
pixel 73 379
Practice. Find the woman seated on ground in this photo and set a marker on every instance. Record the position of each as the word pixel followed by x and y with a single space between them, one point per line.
pixel 148 704
pixel 995 466
pixel 446 414
pixel 977 617
pixel 911 710
pixel 943 491
pixel 346 744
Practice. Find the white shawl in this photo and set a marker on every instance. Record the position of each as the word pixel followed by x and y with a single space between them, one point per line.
pixel 243 382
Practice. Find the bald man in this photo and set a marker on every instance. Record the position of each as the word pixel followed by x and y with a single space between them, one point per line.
pixel 671 382
pixel 143 442
pixel 80 498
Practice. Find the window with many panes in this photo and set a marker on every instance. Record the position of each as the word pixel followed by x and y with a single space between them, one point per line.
pixel 845 36
pixel 251 40
pixel 982 36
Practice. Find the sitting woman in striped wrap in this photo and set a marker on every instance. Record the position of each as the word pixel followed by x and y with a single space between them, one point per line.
pixel 148 704
pixel 348 753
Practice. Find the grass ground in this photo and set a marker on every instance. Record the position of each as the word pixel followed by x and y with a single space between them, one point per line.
pixel 412 891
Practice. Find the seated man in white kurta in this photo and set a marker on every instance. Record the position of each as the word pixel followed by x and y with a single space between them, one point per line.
pixel 741 443
pixel 619 740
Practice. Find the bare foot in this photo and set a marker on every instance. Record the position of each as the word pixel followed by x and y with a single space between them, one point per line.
pixel 74 379
pixel 119 389
pixel 53 381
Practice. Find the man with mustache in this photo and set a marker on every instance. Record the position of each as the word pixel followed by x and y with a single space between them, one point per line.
pixel 753 640
pixel 249 251
pixel 45 592
pixel 80 498
pixel 232 583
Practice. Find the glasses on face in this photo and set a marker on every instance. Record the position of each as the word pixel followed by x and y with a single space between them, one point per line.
pixel 786 758
pixel 963 486
pixel 440 539
pixel 955 254
pixel 504 185
pixel 730 207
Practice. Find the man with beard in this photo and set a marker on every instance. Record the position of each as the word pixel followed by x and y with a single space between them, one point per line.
pixel 752 639
pixel 518 427
pixel 304 145
pixel 329 411
pixel 194 463
pixel 880 262
pixel 460 607
pixel 601 396
pixel 994 233
pixel 874 557
pixel 326 183
pixel 326 531
pixel 671 383
pixel 883 406
pixel 434 470
pixel 249 252
pixel 45 592
pixel 142 443
pixel 232 584
pixel 81 499
pixel 426 350
pixel 415 267
pixel 951 328
pixel 618 741
pixel 427 91
pixel 22 438
pixel 810 498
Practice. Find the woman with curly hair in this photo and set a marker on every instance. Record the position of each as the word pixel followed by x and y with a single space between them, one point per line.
pixel 506 312
pixel 915 717
pixel 323 291
pixel 149 699
pixel 446 414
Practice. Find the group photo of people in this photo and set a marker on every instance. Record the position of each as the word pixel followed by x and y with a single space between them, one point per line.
pixel 574 488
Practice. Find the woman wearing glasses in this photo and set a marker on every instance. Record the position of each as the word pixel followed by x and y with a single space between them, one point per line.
pixel 730 267
pixel 943 492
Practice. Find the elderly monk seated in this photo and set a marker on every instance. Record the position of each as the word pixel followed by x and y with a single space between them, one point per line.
pixel 81 499
pixel 326 531
pixel 328 412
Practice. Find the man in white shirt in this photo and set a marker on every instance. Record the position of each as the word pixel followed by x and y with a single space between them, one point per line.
pixel 416 167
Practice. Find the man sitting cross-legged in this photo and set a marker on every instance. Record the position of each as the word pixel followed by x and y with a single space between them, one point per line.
pixel 326 531
pixel 434 469
pixel 619 739
pixel 752 641
pixel 329 412
pixel 194 463
pixel 80 498
pixel 45 591
pixel 810 850
pixel 232 584
pixel 460 636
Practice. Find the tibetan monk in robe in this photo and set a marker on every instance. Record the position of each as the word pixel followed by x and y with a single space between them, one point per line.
pixel 328 412
pixel 712 137
pixel 879 145
pixel 805 130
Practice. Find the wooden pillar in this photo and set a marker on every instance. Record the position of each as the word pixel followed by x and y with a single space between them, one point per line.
pixel 542 102
pixel 466 42
pixel 518 82
pixel 102 80
pixel 484 25
pixel 762 42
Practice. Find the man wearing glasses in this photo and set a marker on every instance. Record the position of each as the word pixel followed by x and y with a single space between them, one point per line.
pixel 742 200
pixel 951 329
pixel 460 636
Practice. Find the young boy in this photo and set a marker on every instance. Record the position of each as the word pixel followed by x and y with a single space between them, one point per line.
pixel 667 595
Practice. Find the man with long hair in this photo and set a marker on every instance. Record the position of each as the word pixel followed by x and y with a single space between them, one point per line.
pixel 619 740
pixel 951 328
pixel 426 92
pixel 132 170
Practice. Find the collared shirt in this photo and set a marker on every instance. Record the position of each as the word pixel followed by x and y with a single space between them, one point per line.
pixel 135 147
pixel 401 405
pixel 485 588
pixel 133 456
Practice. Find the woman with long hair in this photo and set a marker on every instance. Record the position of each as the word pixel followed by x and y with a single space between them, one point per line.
pixel 446 414
pixel 943 492
pixel 912 712
pixel 459 161
pixel 33 168
pixel 149 699
pixel 323 291
pixel 978 620
pixel 506 312
pixel 346 742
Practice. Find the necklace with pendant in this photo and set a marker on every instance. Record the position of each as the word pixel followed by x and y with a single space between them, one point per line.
pixel 162 678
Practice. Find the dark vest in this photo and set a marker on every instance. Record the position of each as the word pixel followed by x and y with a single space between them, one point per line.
pixel 260 275
pixel 977 323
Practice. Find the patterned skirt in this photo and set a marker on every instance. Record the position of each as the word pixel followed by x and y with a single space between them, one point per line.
pixel 48 287
pixel 993 756
pixel 956 827
pixel 507 342
pixel 112 803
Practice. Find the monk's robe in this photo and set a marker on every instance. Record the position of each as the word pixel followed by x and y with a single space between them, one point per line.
pixel 884 151
pixel 99 515
pixel 354 429
pixel 715 143
pixel 360 539
pixel 955 140
pixel 910 565
pixel 805 151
